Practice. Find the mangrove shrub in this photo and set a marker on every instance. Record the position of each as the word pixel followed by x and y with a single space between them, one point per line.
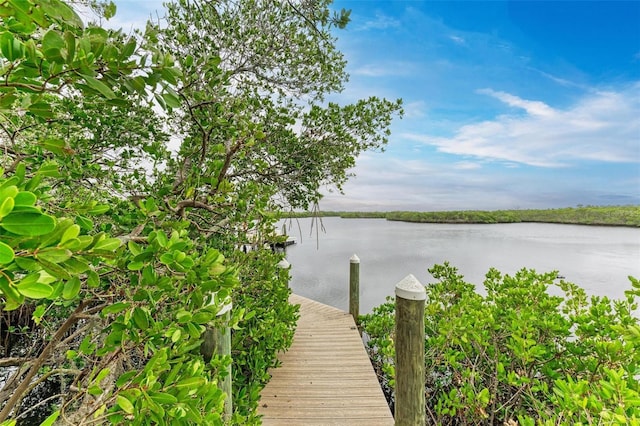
pixel 532 350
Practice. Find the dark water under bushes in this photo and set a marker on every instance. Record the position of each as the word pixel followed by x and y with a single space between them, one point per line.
pixel 599 259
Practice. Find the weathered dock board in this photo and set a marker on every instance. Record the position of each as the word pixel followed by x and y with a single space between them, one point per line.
pixel 326 377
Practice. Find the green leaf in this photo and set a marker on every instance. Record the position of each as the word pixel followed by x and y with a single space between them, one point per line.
pixel 35 290
pixel 71 232
pixel 10 293
pixel 125 377
pixel 26 209
pixel 49 168
pixel 167 258
pixel 109 10
pixel 57 146
pixel 71 288
pixel 102 375
pixel 148 275
pixel 70 43
pixel 53 238
pixel 28 224
pixel 94 390
pixel 6 207
pixel 194 331
pixel 140 318
pixel 54 269
pixel 41 109
pixel 128 49
pixel 8 190
pixel 183 316
pixel 99 86
pixel 52 43
pixel 171 100
pixel 191 382
pixel 25 198
pixel 84 222
pixel 202 317
pixel 54 255
pixel 76 265
pixel 125 404
pixel 33 183
pixel 49 421
pixel 87 347
pixel 134 248
pixel 135 266
pixel 27 263
pixel 11 48
pixel 61 12
pixel 161 237
pixel 93 279
pixel 99 209
pixel 108 244
pixel 162 397
pixel 115 308
pixel 6 253
pixel 38 313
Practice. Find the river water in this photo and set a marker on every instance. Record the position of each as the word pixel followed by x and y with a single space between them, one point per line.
pixel 598 259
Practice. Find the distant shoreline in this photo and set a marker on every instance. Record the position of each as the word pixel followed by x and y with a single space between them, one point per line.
pixel 628 216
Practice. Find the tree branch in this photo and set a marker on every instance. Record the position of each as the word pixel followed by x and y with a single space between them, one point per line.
pixel 24 385
pixel 14 361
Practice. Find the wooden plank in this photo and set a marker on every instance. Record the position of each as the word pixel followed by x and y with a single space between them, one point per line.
pixel 326 377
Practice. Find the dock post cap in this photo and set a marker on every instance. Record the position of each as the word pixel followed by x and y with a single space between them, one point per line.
pixel 228 303
pixel 226 308
pixel 354 259
pixel 411 289
pixel 283 264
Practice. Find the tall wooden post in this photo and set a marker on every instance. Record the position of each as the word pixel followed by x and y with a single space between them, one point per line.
pixel 222 342
pixel 410 396
pixel 218 341
pixel 354 287
pixel 283 264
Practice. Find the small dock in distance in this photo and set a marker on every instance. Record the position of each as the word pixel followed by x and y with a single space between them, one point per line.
pixel 326 377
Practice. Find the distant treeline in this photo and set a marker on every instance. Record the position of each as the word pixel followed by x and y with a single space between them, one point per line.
pixel 589 215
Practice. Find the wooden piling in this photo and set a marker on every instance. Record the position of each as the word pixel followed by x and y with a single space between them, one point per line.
pixel 354 287
pixel 222 342
pixel 410 394
pixel 218 341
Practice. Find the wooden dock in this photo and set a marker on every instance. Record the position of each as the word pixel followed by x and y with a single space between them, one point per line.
pixel 326 377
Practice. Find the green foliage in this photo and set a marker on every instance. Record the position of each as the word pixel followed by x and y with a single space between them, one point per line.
pixel 141 321
pixel 268 326
pixel 521 353
pixel 592 215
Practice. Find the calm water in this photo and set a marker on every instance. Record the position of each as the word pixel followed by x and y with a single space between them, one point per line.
pixel 599 259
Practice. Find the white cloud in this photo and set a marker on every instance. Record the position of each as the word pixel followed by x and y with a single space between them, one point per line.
pixel 414 109
pixel 603 126
pixel 385 184
pixel 531 107
pixel 384 69
pixel 457 39
pixel 559 80
pixel 467 165
pixel 380 22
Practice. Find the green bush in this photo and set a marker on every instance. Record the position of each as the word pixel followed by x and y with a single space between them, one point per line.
pixel 521 354
pixel 267 328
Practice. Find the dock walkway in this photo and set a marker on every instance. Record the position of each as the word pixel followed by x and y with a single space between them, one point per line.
pixel 326 377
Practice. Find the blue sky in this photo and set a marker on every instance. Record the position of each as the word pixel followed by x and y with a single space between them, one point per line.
pixel 516 104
